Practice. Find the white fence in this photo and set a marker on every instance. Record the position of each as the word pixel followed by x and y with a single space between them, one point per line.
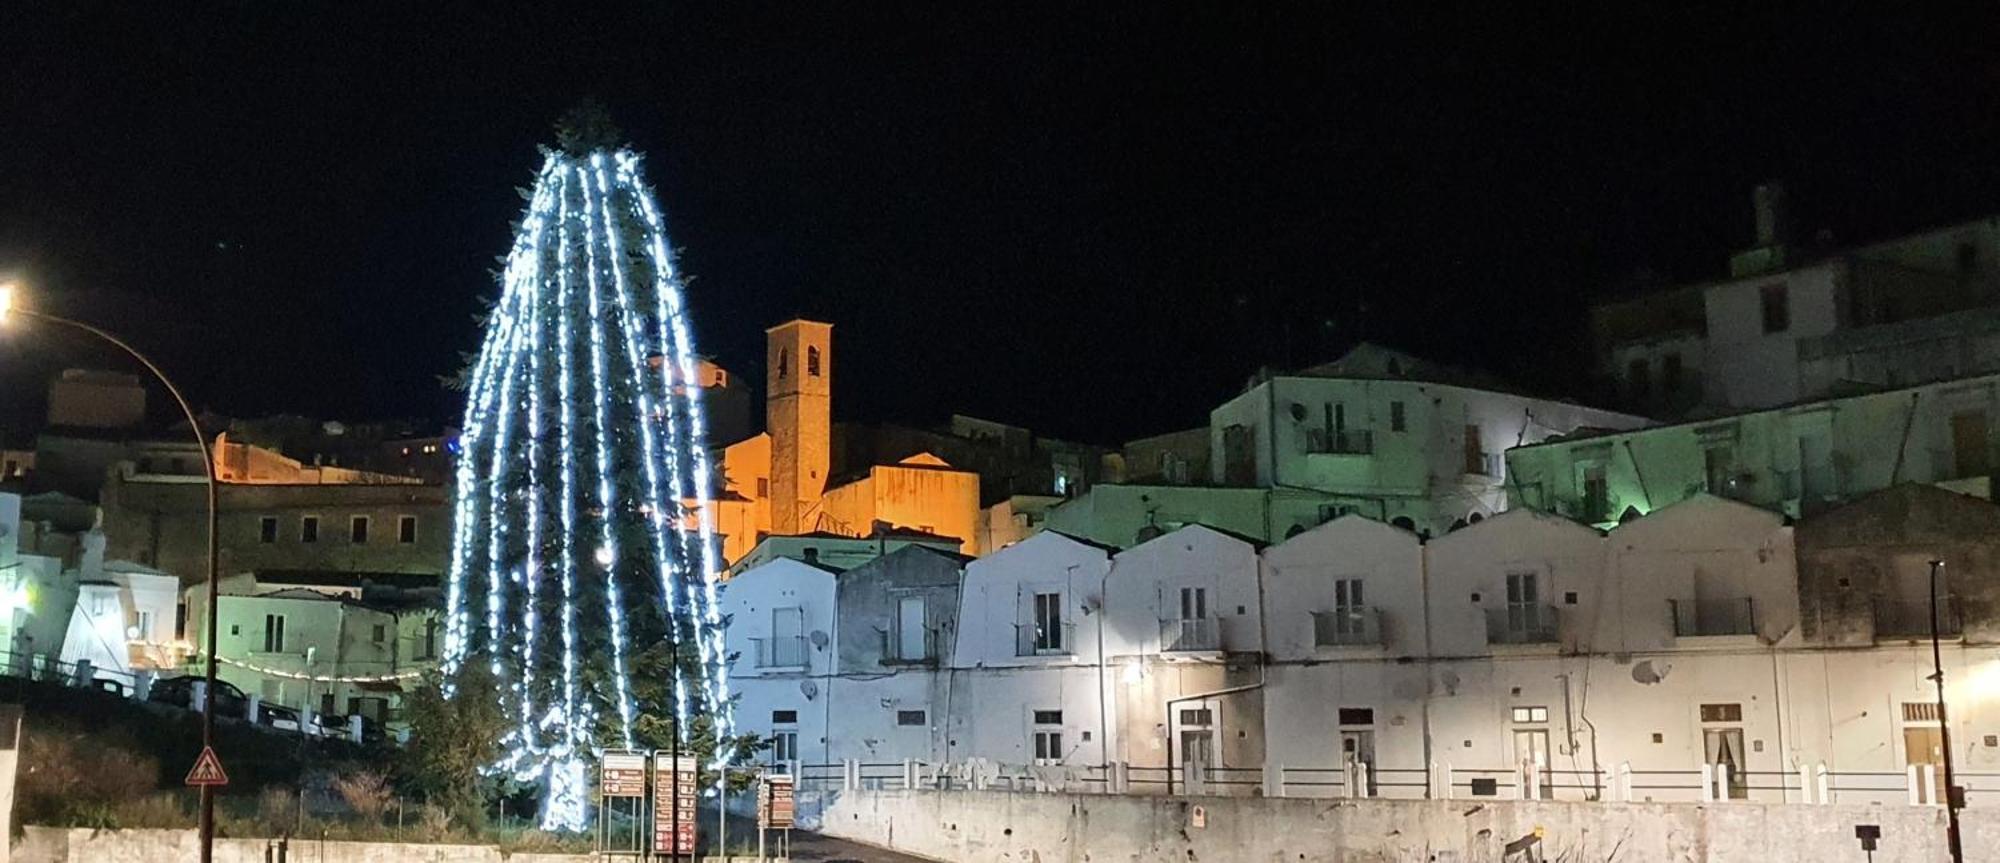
pixel 1919 785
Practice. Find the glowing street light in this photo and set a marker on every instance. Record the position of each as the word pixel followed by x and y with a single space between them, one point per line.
pixel 9 308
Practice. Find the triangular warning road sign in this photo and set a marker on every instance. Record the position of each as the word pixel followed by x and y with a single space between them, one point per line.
pixel 207 769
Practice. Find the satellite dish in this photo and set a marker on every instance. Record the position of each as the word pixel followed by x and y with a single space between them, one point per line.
pixel 809 688
pixel 819 639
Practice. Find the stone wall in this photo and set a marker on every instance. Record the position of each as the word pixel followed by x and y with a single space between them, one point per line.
pixel 1048 828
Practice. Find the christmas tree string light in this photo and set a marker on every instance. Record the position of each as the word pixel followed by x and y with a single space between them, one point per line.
pixel 584 540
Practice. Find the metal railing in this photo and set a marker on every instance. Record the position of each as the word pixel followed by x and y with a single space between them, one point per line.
pixel 1522 624
pixel 781 652
pixel 1712 617
pixel 895 652
pixel 1198 634
pixel 1340 441
pixel 1911 618
pixel 1351 626
pixel 1033 640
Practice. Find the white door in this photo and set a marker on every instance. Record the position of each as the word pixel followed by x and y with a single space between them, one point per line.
pixel 910 628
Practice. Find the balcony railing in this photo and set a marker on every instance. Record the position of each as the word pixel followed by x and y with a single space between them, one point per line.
pixel 1712 617
pixel 1033 640
pixel 1911 618
pixel 896 652
pixel 1351 626
pixel 1340 441
pixel 1198 634
pixel 782 652
pixel 1521 624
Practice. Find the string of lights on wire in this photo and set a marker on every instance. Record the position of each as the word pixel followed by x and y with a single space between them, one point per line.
pixel 583 532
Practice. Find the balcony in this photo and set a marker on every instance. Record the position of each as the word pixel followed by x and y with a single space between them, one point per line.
pixel 1190 635
pixel 896 652
pixel 1911 618
pixel 1696 618
pixel 1350 626
pixel 1340 441
pixel 1521 624
pixel 1033 640
pixel 783 652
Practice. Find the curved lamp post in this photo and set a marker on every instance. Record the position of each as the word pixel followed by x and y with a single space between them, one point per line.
pixel 10 307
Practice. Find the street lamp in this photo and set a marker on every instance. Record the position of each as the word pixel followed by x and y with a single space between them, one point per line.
pixel 10 308
pixel 1953 797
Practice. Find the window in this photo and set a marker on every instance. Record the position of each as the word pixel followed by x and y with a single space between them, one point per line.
pixel 430 639
pixel 309 529
pixel 1776 308
pixel 406 529
pixel 274 633
pixel 357 530
pixel 812 361
pixel 1670 374
pixel 1357 716
pixel 1717 467
pixel 784 717
pixel 1048 622
pixel 1531 715
pixel 1048 736
pixel 1596 494
pixel 784 363
pixel 784 746
pixel 1398 421
pixel 267 529
pixel 1639 378
pixel 1722 713
pixel 1194 603
pixel 380 634
pixel 910 717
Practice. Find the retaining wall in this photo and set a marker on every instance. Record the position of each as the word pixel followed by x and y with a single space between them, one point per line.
pixel 1066 828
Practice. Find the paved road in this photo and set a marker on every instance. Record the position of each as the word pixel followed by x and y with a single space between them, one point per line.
pixel 825 849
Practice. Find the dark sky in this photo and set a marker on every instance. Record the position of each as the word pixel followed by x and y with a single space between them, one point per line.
pixel 1092 219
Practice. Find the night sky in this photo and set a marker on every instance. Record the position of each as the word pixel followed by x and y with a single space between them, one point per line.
pixel 1095 220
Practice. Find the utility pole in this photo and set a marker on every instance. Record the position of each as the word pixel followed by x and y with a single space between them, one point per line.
pixel 1952 796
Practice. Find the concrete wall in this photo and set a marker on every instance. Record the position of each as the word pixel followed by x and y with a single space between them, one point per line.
pixel 64 845
pixel 1047 828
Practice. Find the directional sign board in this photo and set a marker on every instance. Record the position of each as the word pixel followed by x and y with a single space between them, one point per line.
pixel 674 791
pixel 207 770
pixel 622 774
pixel 774 803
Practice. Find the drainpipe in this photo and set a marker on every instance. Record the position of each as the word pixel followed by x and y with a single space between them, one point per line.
pixel 1902 446
pixel 1424 588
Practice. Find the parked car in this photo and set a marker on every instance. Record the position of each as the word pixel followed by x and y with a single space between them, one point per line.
pixel 179 692
pixel 278 716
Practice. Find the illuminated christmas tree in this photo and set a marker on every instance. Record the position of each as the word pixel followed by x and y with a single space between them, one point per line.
pixel 583 558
